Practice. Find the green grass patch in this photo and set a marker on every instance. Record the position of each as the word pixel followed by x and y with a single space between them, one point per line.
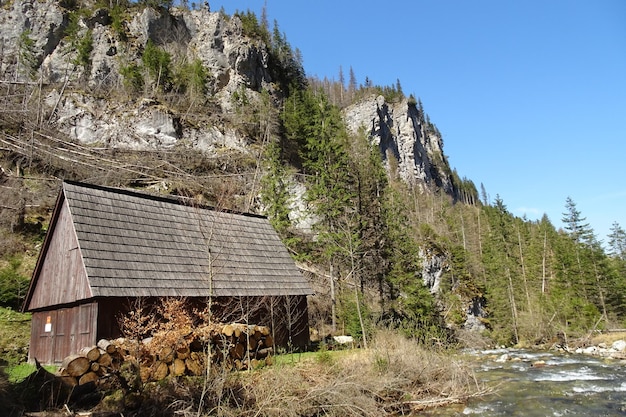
pixel 291 358
pixel 322 356
pixel 20 372
pixel 14 336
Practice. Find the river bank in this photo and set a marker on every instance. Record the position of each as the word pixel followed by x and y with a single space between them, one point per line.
pixel 610 345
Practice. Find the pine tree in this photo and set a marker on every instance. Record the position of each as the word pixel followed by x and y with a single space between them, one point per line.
pixel 575 224
pixel 352 84
pixel 501 273
pixel 617 241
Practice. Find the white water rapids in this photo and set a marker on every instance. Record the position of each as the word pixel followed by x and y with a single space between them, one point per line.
pixel 540 384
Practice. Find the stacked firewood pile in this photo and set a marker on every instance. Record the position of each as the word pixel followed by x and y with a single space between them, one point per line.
pixel 233 346
pixel 91 363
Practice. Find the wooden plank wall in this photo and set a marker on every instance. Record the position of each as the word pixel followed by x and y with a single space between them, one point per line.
pixel 62 279
pixel 58 333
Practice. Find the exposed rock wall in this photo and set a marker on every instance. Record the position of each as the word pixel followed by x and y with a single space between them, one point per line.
pixel 44 20
pixel 402 134
pixel 433 267
pixel 216 40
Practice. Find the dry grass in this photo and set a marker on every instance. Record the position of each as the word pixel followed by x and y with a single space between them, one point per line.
pixel 395 376
pixel 607 338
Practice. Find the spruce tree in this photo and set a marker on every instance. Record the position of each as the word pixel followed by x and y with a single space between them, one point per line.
pixel 370 187
pixel 499 258
pixel 352 84
pixel 325 160
pixel 616 296
pixel 581 261
pixel 316 129
pixel 412 306
pixel 575 224
pixel 274 192
pixel 617 241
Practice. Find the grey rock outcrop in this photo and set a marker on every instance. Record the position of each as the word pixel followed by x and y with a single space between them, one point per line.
pixel 142 125
pixel 433 267
pixel 45 21
pixel 475 314
pixel 402 133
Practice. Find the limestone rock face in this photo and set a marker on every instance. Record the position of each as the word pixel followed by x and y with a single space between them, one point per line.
pixel 402 133
pixel 233 61
pixel 44 21
pixel 433 266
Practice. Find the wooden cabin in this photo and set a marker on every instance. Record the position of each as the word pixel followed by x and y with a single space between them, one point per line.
pixel 108 247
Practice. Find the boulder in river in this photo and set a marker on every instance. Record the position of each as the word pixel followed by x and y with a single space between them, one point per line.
pixel 619 345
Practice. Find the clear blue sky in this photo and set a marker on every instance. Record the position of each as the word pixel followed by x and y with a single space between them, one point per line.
pixel 530 96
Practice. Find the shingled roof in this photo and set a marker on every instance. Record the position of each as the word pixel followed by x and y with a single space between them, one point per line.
pixel 134 245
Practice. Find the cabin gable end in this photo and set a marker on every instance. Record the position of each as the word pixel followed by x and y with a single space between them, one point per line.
pixel 61 277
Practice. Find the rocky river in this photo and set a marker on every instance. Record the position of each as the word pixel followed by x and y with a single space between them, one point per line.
pixel 541 383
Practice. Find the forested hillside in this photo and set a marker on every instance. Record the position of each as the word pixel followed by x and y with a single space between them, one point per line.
pixel 427 254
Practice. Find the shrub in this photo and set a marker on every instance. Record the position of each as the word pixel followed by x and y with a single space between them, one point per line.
pixel 28 54
pixel 324 357
pixel 13 285
pixel 133 78
pixel 81 45
pixel 191 78
pixel 117 21
pixel 84 46
pixel 158 63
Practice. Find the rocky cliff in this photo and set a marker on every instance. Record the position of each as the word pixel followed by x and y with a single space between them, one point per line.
pixel 402 133
pixel 217 40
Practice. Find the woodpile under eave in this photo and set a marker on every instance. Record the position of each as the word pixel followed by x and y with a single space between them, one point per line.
pixel 234 346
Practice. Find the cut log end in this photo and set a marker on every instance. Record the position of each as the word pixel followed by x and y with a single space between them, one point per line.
pixel 76 365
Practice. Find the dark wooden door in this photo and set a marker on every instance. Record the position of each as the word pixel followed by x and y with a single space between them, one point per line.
pixel 59 333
